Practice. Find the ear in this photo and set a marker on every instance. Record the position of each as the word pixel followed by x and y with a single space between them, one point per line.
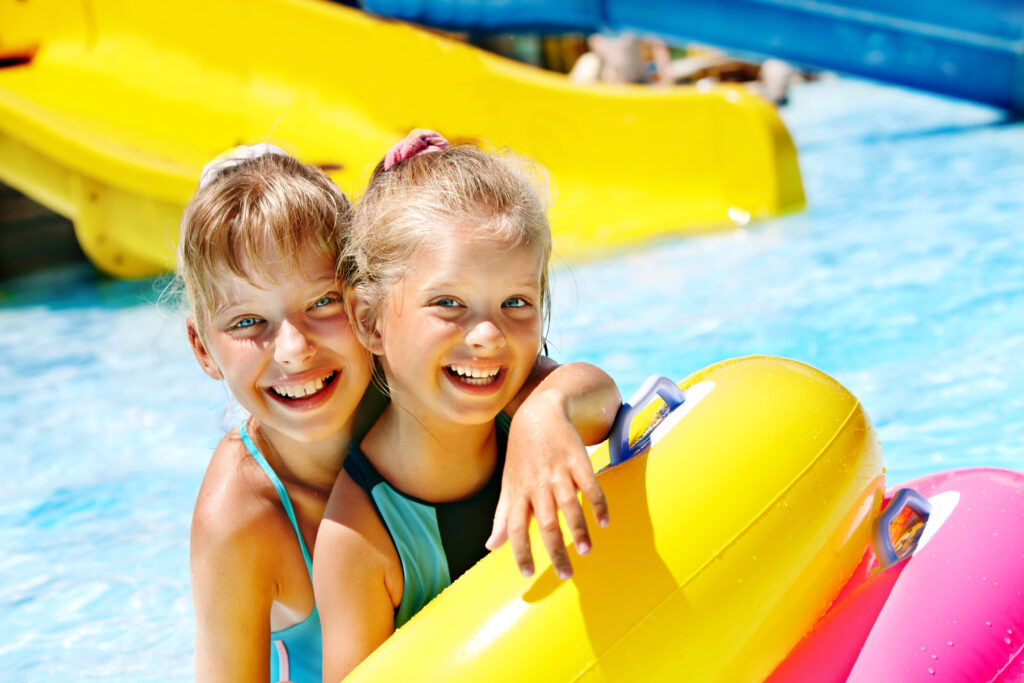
pixel 203 357
pixel 364 323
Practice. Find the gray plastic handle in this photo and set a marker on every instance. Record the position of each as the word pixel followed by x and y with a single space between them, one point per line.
pixel 656 385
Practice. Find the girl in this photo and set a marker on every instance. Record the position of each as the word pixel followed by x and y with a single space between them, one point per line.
pixel 260 244
pixel 448 289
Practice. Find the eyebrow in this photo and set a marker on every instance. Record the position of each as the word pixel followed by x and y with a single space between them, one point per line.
pixel 449 284
pixel 324 282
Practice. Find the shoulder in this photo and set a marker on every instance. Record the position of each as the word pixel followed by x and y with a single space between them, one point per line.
pixel 351 514
pixel 236 515
pixel 357 578
pixel 352 536
pixel 235 576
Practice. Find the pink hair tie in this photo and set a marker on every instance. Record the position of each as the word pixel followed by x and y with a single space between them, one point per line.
pixel 417 142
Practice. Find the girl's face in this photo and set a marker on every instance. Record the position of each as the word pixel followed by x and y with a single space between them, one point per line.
pixel 460 332
pixel 283 344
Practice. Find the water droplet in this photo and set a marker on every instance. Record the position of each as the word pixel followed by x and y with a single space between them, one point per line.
pixel 988 623
pixel 923 648
pixel 935 656
pixel 1009 631
pixel 949 642
pixel 1007 641
pixel 931 671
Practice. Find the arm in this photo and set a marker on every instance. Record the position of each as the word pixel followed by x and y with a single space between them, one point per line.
pixel 231 586
pixel 560 410
pixel 351 573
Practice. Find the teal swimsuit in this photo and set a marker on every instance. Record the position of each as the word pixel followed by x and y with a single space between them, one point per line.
pixel 436 542
pixel 296 653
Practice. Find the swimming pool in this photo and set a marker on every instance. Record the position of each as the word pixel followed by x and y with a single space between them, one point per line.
pixel 904 279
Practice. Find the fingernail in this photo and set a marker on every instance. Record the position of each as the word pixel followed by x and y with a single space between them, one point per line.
pixel 527 571
pixel 603 521
pixel 564 573
pixel 583 547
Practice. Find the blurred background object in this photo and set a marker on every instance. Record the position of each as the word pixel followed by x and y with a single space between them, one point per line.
pixel 970 50
pixel 109 109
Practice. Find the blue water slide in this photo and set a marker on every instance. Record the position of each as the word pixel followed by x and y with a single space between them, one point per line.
pixel 970 49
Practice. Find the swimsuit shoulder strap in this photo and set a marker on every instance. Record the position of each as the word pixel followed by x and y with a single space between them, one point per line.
pixel 281 492
pixel 359 468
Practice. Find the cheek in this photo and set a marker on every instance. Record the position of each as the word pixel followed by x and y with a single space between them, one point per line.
pixel 529 334
pixel 345 336
pixel 416 334
pixel 335 332
pixel 235 356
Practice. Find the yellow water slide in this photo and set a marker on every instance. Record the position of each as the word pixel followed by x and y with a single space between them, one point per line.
pixel 110 108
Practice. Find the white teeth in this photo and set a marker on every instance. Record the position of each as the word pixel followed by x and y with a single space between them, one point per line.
pixel 475 376
pixel 302 390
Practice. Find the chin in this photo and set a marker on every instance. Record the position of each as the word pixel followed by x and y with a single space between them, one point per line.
pixel 312 434
pixel 475 417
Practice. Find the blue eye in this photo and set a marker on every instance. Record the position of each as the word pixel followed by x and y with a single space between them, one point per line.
pixel 515 302
pixel 325 301
pixel 245 322
pixel 446 302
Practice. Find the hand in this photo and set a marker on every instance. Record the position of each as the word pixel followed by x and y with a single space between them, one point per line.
pixel 545 465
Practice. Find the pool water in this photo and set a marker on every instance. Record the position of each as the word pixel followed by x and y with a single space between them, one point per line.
pixel 904 279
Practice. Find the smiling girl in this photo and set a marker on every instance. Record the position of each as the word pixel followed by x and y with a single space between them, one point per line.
pixel 448 289
pixel 258 263
pixel 258 260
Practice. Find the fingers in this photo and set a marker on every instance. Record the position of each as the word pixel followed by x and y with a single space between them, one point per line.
pixel 551 534
pixel 515 509
pixel 571 509
pixel 499 531
pixel 586 480
pixel 516 529
pixel 519 536
pixel 545 509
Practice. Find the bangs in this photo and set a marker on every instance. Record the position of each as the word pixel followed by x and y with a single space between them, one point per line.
pixel 271 211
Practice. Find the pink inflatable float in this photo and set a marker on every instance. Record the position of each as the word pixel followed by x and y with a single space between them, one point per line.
pixel 953 611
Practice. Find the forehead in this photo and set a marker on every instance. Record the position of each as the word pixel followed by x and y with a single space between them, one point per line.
pixel 273 275
pixel 464 244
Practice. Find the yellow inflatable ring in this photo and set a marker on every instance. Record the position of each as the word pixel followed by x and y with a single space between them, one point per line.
pixel 731 533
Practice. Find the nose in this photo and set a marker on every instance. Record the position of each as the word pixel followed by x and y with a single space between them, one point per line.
pixel 485 336
pixel 292 346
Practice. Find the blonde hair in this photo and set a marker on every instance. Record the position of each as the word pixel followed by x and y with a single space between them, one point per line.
pixel 271 202
pixel 504 196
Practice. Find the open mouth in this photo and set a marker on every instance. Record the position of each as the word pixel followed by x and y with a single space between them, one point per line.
pixel 473 376
pixel 305 390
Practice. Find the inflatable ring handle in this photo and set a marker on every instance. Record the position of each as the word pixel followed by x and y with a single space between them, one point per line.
pixel 888 554
pixel 618 439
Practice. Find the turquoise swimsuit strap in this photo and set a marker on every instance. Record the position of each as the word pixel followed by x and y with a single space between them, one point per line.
pixel 281 492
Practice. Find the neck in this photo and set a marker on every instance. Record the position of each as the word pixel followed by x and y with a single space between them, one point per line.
pixel 437 461
pixel 311 463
